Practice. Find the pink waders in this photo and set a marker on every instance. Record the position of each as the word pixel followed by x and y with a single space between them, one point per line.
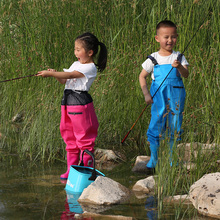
pixel 78 128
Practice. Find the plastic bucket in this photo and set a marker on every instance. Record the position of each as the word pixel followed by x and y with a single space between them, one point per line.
pixel 73 204
pixel 80 177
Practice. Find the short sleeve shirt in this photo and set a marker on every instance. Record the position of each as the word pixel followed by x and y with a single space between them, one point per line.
pixel 149 66
pixel 89 71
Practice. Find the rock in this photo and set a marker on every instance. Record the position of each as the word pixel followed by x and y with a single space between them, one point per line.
pixel 140 164
pixel 104 191
pixel 189 151
pixel 106 217
pixel 205 195
pixel 17 118
pixel 103 154
pixel 190 166
pixel 178 198
pixel 107 159
pixel 145 185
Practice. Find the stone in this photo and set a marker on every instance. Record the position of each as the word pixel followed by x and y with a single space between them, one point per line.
pixel 184 199
pixel 145 185
pixel 106 217
pixel 205 195
pixel 18 118
pixel 104 191
pixel 140 164
pixel 190 151
pixel 108 159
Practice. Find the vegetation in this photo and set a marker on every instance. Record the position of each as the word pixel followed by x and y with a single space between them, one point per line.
pixel 38 34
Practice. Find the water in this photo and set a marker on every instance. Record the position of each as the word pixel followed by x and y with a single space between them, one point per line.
pixel 34 191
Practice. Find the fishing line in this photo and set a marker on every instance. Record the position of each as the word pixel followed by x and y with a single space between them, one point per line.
pixel 7 80
pixel 179 58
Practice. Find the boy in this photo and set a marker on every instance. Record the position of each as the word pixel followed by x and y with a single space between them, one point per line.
pixel 169 94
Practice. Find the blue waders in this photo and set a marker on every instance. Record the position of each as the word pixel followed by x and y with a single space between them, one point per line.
pixel 167 109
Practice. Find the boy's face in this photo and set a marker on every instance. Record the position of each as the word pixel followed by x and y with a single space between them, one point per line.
pixel 167 37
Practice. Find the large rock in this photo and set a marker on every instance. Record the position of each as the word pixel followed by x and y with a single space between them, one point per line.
pixel 145 185
pixel 140 164
pixel 108 159
pixel 104 191
pixel 205 195
pixel 189 151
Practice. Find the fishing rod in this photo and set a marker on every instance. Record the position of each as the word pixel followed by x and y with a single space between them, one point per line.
pixel 179 58
pixel 7 80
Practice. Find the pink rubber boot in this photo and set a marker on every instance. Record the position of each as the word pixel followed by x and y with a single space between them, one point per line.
pixel 72 159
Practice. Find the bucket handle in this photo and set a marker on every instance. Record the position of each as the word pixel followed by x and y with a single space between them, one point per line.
pixel 93 176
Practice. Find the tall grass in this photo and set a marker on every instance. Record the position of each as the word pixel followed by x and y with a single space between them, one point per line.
pixel 38 34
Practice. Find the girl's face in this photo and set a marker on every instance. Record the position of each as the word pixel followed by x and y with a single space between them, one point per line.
pixel 167 37
pixel 81 54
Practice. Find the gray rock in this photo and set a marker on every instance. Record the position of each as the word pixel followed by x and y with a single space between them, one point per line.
pixel 104 191
pixel 205 195
pixel 107 217
pixel 17 118
pixel 140 164
pixel 190 151
pixel 184 199
pixel 145 185
pixel 108 159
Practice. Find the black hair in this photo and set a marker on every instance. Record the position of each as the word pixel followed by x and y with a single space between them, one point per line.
pixel 165 23
pixel 91 42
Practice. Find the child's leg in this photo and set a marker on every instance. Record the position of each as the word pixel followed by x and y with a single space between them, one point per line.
pixel 85 126
pixel 154 156
pixel 67 134
pixel 72 159
pixel 157 126
pixel 175 117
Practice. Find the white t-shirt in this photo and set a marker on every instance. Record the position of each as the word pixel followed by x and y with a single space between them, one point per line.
pixel 149 66
pixel 89 71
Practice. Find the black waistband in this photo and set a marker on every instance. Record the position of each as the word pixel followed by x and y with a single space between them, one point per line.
pixel 76 97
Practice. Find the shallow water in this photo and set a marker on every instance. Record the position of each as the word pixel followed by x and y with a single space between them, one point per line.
pixel 34 191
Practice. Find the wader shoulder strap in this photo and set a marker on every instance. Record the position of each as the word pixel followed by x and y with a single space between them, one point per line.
pixel 153 60
pixel 179 58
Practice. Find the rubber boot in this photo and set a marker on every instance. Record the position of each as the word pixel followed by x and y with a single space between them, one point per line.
pixel 72 159
pixel 153 157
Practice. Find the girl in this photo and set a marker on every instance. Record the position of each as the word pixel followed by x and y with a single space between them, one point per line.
pixel 79 124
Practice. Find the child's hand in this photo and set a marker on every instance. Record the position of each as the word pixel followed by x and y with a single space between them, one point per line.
pixel 176 64
pixel 148 99
pixel 44 73
pixel 52 70
pixel 182 69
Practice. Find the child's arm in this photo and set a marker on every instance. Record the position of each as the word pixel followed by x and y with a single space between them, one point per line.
pixel 62 81
pixel 183 70
pixel 60 76
pixel 143 84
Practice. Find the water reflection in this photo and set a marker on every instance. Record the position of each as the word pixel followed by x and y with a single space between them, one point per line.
pixel 72 206
pixel 151 207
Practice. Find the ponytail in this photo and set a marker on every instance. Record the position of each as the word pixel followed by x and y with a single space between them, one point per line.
pixel 102 57
pixel 91 42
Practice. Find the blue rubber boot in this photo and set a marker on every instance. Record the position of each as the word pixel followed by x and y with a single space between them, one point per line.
pixel 153 157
